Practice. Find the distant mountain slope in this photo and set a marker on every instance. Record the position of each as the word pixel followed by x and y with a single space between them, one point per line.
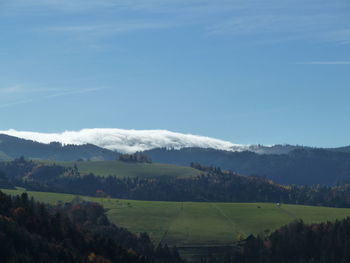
pixel 123 169
pixel 12 147
pixel 345 149
pixel 128 141
pixel 131 141
pixel 285 164
pixel 300 166
pixel 275 149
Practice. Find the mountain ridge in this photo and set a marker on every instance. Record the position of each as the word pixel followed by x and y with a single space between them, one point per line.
pixel 12 147
pixel 131 141
pixel 285 164
pixel 128 141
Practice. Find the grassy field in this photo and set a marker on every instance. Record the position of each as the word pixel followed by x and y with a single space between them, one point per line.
pixel 199 224
pixel 123 169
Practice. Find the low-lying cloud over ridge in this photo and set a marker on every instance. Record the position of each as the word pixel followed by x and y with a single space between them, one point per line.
pixel 128 141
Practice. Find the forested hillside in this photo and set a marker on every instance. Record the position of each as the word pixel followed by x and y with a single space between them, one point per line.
pixel 301 166
pixel 299 243
pixel 212 184
pixel 29 232
pixel 284 164
pixel 13 147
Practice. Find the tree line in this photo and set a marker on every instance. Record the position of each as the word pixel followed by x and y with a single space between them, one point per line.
pixel 31 232
pixel 299 243
pixel 135 158
pixel 304 166
pixel 213 184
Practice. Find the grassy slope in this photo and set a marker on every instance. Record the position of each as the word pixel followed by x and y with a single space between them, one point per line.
pixel 4 157
pixel 199 224
pixel 123 169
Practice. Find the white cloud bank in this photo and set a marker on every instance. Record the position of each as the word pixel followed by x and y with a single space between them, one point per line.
pixel 128 141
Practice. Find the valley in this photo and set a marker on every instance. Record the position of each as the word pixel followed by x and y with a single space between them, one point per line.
pixel 194 226
pixel 174 131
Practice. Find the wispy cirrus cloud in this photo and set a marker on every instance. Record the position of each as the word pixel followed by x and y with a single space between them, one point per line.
pixel 11 89
pixel 15 103
pixel 317 20
pixel 22 89
pixel 47 94
pixel 106 29
pixel 324 63
pixel 72 92
pixel 341 36
pixel 19 89
pixel 152 6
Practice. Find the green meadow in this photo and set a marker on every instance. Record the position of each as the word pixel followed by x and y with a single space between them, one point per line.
pixel 188 224
pixel 124 169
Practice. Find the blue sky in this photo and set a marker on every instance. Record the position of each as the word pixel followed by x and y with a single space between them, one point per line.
pixel 246 71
